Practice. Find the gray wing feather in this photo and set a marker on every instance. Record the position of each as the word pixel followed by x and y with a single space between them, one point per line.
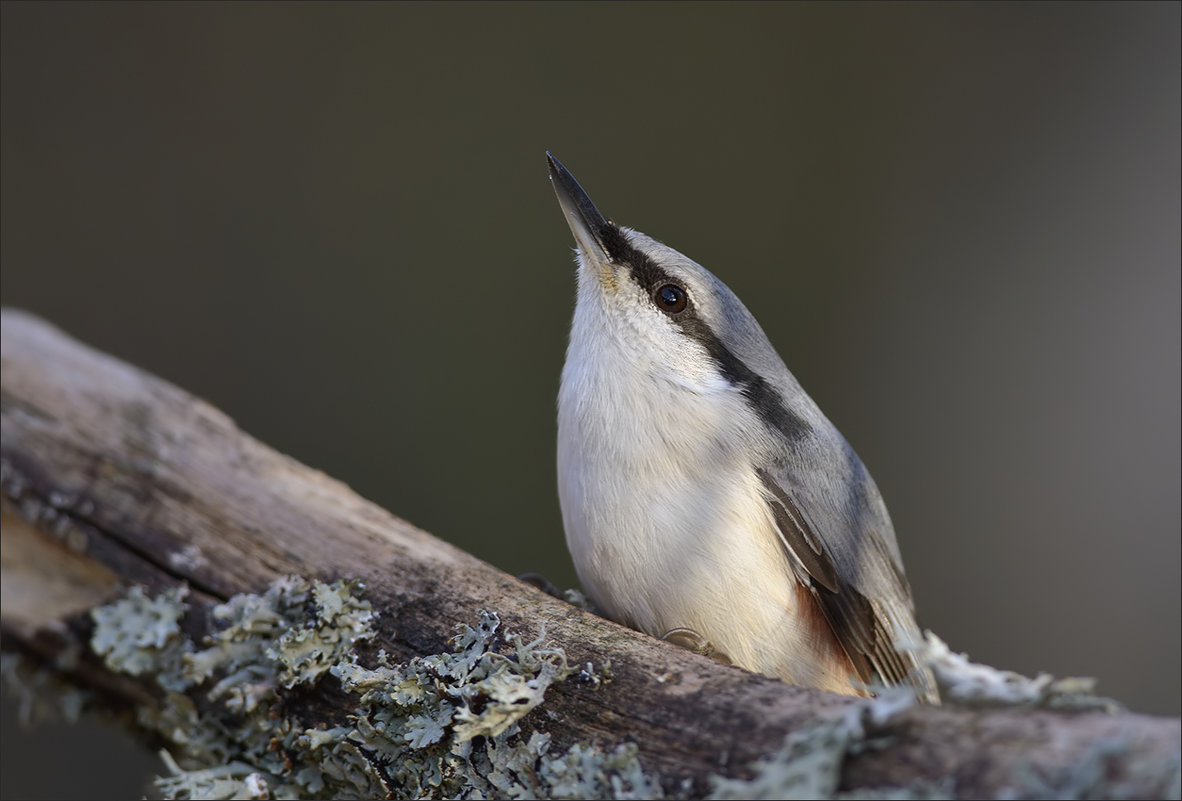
pixel 865 629
pixel 832 522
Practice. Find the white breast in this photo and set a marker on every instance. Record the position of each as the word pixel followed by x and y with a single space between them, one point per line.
pixel 665 518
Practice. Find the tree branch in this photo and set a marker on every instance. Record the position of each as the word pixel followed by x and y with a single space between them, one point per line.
pixel 113 477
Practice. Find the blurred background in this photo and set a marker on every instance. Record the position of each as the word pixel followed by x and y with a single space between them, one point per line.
pixel 959 224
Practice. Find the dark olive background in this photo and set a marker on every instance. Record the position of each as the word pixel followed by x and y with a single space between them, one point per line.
pixel 959 224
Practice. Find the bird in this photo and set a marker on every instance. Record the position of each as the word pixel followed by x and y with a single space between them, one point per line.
pixel 705 497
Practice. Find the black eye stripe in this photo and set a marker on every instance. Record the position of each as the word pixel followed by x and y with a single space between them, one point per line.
pixel 764 398
pixel 643 270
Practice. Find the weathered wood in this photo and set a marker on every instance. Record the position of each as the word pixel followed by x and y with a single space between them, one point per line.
pixel 112 476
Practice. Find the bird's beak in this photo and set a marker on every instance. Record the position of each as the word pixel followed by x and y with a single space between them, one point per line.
pixel 586 223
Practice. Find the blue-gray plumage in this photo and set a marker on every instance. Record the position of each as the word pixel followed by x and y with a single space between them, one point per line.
pixel 703 490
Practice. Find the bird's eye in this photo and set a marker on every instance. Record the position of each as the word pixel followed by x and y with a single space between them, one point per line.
pixel 670 298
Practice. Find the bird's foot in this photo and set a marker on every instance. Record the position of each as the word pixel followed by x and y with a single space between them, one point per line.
pixel 692 641
pixel 542 583
pixel 572 597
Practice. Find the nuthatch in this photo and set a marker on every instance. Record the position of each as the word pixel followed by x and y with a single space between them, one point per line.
pixel 704 494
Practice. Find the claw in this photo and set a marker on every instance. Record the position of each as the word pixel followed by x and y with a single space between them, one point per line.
pixel 542 583
pixel 692 641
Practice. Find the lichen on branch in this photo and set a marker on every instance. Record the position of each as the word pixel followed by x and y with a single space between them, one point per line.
pixel 446 725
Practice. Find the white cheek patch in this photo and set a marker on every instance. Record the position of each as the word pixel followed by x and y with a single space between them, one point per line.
pixel 640 333
pixel 663 350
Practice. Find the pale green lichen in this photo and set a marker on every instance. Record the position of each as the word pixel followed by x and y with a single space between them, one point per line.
pixel 233 780
pixel 809 763
pixel 585 772
pixel 138 635
pixel 449 725
pixel 291 635
pixel 421 721
pixel 439 726
pixel 966 683
pixel 1092 775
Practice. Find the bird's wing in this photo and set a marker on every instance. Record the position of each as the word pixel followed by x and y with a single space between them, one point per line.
pixel 864 618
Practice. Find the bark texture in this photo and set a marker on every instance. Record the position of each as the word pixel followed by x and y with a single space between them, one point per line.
pixel 113 477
